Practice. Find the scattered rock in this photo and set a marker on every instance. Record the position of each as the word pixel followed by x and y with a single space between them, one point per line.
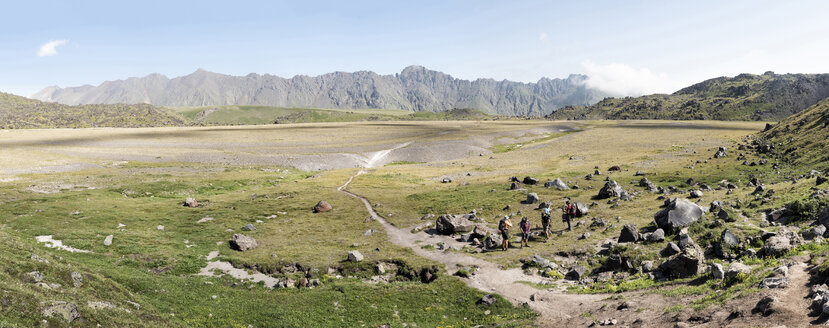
pixel 777 245
pixel 248 227
pixel 488 299
pixel 576 273
pixel 448 224
pixel 639 174
pixel 322 207
pixel 737 268
pixel 66 311
pixel 716 271
pixel 108 240
pixel 532 198
pixel 242 243
pixel 781 282
pixel 32 277
pixel 77 279
pixel 515 185
pixel 614 168
pixel 781 271
pixel 446 180
pixel 696 194
pixel 656 236
pixel 191 202
pixel 610 189
pixel 767 305
pixel 530 181
pixel 629 234
pixel 689 262
pixel 821 180
pixel 98 305
pixel 557 183
pixel 355 256
pixel 670 250
pixel 160 227
pixel 677 213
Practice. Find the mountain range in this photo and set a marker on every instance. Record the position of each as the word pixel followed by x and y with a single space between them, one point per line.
pixel 746 97
pixel 415 89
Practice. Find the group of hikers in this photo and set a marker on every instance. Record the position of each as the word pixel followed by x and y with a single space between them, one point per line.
pixel 569 211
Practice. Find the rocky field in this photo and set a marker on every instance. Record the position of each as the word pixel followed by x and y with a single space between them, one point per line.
pixel 393 224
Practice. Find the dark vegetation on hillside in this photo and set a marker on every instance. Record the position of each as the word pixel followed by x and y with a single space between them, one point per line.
pixel 19 112
pixel 802 138
pixel 746 97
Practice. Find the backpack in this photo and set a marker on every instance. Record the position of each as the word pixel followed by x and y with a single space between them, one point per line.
pixel 502 225
pixel 572 209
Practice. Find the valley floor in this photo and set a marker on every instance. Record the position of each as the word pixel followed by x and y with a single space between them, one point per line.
pixel 126 186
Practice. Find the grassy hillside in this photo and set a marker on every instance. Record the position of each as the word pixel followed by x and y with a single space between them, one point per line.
pixel 19 112
pixel 801 138
pixel 742 98
pixel 252 115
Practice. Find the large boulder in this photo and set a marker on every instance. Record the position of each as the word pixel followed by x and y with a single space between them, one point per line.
pixel 493 241
pixel 532 198
pixel 557 183
pixel 242 243
pixel 823 217
pixel 777 245
pixel 581 209
pixel 355 256
pixel 737 268
pixel 322 207
pixel 727 244
pixel 656 236
pixel 610 189
pixel 689 262
pixel 629 234
pixel 515 185
pixel 448 224
pixel 576 273
pixel 677 213
pixel 530 181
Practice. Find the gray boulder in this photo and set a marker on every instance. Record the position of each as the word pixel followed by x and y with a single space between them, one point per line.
pixel 77 279
pixel 493 241
pixel 530 181
pixel 814 232
pixel 581 209
pixel 670 249
pixel 62 310
pixel 610 189
pixel 688 263
pixel 108 240
pixel 629 234
pixel 777 245
pixel 781 282
pixel 716 271
pixel 515 185
pixel 557 183
pixel 656 236
pixel 677 213
pixel 767 305
pixel 735 269
pixel 696 194
pixel 248 227
pixel 242 243
pixel 448 224
pixel 823 217
pixel 355 256
pixel 576 273
pixel 488 299
pixel 532 198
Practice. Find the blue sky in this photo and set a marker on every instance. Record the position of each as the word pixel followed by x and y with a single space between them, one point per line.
pixel 628 47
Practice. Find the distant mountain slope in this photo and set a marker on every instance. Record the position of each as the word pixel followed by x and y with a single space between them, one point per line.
pixel 18 112
pixel 804 137
pixel 414 89
pixel 744 97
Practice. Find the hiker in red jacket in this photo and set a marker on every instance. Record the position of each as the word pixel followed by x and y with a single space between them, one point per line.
pixel 525 231
pixel 569 210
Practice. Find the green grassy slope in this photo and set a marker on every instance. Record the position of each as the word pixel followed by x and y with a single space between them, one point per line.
pixel 19 112
pixel 741 98
pixel 802 138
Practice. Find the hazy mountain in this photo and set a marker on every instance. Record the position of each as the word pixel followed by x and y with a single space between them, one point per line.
pixel 744 97
pixel 18 112
pixel 415 88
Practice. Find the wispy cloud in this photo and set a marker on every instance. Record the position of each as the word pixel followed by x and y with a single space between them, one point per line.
pixel 624 80
pixel 542 36
pixel 49 49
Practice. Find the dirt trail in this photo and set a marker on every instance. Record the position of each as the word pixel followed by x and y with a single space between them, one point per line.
pixel 553 306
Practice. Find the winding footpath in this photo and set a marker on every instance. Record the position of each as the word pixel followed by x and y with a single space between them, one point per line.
pixel 553 307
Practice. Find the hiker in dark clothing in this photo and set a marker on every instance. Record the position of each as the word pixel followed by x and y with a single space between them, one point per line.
pixel 546 217
pixel 525 231
pixel 569 210
pixel 503 227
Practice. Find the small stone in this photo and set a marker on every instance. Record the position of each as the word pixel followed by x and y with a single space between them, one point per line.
pixel 108 240
pixel 77 279
pixel 248 227
pixel 160 227
pixel 355 256
pixel 488 299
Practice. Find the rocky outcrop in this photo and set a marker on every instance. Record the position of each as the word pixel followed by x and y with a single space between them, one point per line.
pixel 448 224
pixel 677 213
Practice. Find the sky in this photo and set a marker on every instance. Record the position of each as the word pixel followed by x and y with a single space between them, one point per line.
pixel 625 47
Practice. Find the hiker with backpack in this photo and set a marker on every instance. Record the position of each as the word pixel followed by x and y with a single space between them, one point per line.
pixel 525 231
pixel 546 217
pixel 569 210
pixel 503 227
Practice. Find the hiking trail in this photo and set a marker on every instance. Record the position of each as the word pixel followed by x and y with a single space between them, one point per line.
pixel 552 306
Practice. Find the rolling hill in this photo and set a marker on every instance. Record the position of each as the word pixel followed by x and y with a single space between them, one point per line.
pixel 767 97
pixel 414 89
pixel 19 112
pixel 802 138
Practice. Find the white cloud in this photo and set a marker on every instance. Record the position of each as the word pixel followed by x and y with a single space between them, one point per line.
pixel 48 49
pixel 542 36
pixel 623 80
